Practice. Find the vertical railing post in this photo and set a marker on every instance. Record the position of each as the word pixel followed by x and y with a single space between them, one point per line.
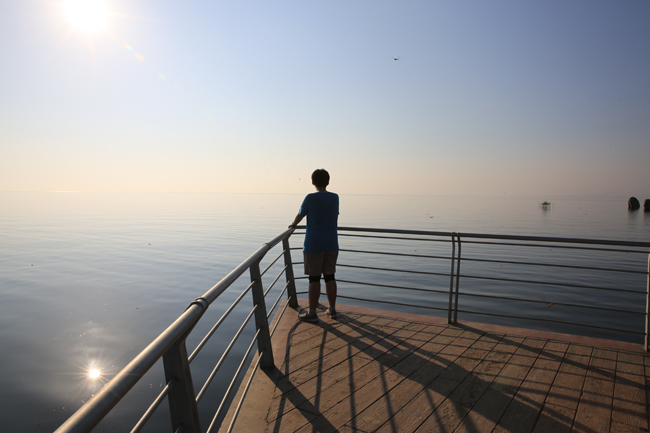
pixel 181 397
pixel 264 348
pixel 451 281
pixel 457 280
pixel 647 307
pixel 291 283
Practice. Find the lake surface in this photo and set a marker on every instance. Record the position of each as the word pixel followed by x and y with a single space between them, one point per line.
pixel 87 280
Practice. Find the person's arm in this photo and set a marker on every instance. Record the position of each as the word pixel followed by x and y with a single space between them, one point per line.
pixel 296 221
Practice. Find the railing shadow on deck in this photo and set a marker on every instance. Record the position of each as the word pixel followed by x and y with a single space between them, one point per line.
pixel 436 372
pixel 436 268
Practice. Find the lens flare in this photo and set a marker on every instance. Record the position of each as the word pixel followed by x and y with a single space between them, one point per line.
pixel 93 373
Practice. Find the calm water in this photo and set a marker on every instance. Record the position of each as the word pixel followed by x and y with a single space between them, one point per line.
pixel 89 279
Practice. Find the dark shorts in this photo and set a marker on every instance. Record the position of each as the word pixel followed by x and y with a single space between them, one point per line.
pixel 317 264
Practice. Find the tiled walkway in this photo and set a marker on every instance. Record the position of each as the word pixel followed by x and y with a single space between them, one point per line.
pixel 375 371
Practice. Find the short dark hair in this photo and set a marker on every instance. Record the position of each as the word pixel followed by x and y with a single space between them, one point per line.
pixel 320 178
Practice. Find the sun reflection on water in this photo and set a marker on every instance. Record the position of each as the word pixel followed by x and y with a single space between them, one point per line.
pixel 91 378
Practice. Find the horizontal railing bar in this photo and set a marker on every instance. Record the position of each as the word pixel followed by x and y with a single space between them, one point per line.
pixel 396 254
pixel 216 368
pixel 392 270
pixel 232 383
pixel 565 247
pixel 394 287
pixel 504 261
pixel 153 406
pixel 545 283
pixel 553 321
pixel 395 231
pixel 279 317
pixel 272 263
pixel 275 281
pixel 394 238
pixel 536 301
pixel 219 322
pixel 465 259
pixel 510 244
pixel 244 393
pixel 387 302
pixel 556 240
pixel 277 300
pixel 500 237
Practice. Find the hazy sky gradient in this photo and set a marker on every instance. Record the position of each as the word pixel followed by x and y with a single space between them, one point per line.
pixel 487 98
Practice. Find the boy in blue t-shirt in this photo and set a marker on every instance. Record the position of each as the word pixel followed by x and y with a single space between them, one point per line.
pixel 321 247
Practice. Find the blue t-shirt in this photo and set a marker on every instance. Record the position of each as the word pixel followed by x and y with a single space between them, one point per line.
pixel 322 212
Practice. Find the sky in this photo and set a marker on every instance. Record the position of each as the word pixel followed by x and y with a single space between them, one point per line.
pixel 485 98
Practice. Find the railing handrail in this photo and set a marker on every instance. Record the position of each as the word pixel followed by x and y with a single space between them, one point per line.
pixel 557 239
pixel 501 237
pixel 95 409
pixel 226 281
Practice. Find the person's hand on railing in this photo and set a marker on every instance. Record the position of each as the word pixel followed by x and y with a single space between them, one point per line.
pixel 296 221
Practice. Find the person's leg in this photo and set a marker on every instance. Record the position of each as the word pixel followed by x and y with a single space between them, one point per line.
pixel 330 289
pixel 314 293
pixel 313 268
pixel 329 268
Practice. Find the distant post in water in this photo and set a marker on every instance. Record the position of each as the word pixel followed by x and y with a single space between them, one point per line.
pixel 633 203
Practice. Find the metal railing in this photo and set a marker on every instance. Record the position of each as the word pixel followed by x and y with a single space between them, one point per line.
pixel 502 270
pixel 171 347
pixel 415 270
pixel 524 288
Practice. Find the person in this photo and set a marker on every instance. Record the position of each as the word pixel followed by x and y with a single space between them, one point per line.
pixel 321 247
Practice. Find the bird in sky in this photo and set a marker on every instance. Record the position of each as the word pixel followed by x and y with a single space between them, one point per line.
pixel 396 58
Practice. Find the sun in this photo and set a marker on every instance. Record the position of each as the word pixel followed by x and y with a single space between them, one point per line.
pixel 89 15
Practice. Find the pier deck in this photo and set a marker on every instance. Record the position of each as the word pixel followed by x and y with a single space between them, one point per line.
pixel 381 371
